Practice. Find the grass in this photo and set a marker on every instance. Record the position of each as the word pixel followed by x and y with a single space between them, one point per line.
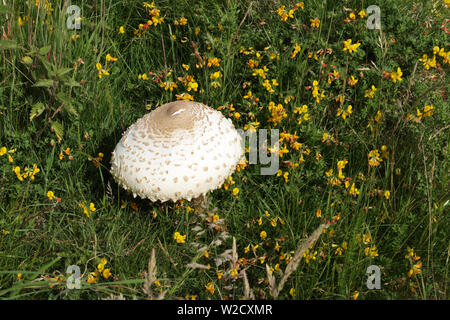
pixel 52 98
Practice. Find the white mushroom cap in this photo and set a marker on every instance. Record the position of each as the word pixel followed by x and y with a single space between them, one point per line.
pixel 180 150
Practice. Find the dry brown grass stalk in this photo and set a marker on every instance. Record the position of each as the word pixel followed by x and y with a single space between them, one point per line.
pixel 292 266
pixel 150 278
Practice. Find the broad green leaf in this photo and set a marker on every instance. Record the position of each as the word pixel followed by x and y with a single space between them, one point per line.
pixel 44 83
pixel 44 50
pixel 71 82
pixel 61 96
pixel 63 71
pixel 36 110
pixel 46 64
pixel 57 128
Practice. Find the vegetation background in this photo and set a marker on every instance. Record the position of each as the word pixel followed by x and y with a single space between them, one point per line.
pixel 364 149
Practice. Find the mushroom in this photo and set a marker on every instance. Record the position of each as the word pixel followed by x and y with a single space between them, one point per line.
pixel 180 150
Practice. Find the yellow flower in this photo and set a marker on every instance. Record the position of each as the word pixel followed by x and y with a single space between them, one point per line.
pixel 416 269
pixel 348 46
pixel 179 238
pixel 297 49
pixel 397 76
pixel 121 30
pixel 235 191
pixel 374 158
pixel 100 267
pixel 344 113
pixel 353 190
pixel 387 194
pixel 216 75
pixel 292 292
pixel 352 81
pixel 371 251
pixel 315 23
pixel 355 295
pixel 214 62
pixel 263 235
pixel 362 14
pixel 3 150
pixel 110 58
pixel 273 222
pixel 50 195
pixel 370 92
pixel 92 278
pixel 106 273
pixel 210 287
pixel 92 207
pixel 185 96
pixel 181 22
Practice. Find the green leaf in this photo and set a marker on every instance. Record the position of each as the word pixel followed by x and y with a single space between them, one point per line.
pixel 44 83
pixel 61 96
pixel 72 83
pixel 63 71
pixel 46 64
pixel 44 50
pixel 57 128
pixel 8 44
pixel 36 110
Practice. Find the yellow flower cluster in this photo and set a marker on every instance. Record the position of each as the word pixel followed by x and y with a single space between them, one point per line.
pixel 261 72
pixel 4 150
pixel 416 268
pixel 344 113
pixel 93 277
pixel 278 113
pixel 348 46
pixel 431 62
pixel 179 238
pixel 315 92
pixel 188 82
pixel 302 112
pixel 309 255
pixel 180 22
pixel 297 49
pixel 185 96
pixel 370 93
pixel 101 71
pixel 28 173
pixel 154 19
pixel 315 23
pixel 284 15
pixel 374 158
pixel 268 85
pixel 397 76
pixel 87 211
